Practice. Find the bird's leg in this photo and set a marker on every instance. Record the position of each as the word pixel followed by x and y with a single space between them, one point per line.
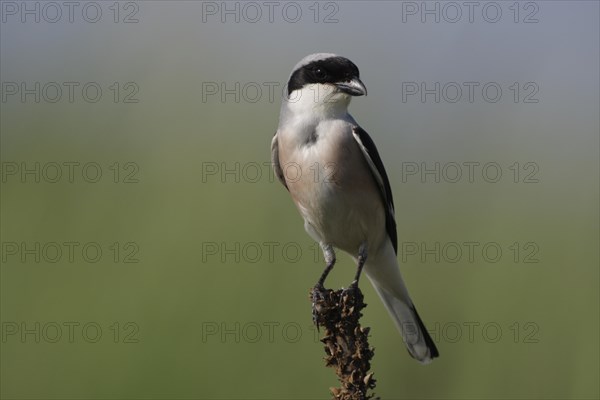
pixel 330 262
pixel 362 258
pixel 353 293
pixel 318 294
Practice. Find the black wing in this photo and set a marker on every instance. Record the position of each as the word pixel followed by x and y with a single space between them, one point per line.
pixel 275 161
pixel 378 170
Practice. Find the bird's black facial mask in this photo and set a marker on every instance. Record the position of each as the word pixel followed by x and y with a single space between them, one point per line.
pixel 337 71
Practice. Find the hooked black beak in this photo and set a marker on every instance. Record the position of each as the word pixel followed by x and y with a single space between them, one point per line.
pixel 355 87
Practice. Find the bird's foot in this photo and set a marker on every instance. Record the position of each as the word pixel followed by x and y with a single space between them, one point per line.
pixel 351 290
pixel 352 296
pixel 318 295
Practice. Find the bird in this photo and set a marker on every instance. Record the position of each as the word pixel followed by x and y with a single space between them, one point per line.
pixel 336 178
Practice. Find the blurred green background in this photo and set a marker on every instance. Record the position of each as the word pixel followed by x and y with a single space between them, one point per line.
pixel 201 287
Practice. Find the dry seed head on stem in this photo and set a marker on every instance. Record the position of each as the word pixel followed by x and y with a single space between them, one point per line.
pixel 346 342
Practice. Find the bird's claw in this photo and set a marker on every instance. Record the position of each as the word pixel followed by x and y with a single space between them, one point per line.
pixel 353 286
pixel 351 293
pixel 317 295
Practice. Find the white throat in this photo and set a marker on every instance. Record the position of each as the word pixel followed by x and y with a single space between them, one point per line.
pixel 312 111
pixel 314 101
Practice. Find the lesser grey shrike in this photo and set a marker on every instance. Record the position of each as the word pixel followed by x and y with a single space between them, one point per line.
pixel 332 170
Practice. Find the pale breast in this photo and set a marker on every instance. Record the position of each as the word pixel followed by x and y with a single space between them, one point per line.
pixel 332 186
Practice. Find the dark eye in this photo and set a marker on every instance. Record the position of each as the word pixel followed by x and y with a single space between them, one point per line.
pixel 320 73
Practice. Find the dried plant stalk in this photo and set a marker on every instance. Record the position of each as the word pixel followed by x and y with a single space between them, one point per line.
pixel 346 342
